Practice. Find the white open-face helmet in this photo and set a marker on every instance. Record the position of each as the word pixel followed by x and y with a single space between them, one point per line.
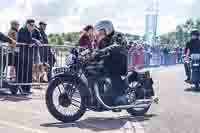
pixel 14 23
pixel 105 25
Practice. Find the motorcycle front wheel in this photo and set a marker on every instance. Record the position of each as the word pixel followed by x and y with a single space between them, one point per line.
pixel 69 96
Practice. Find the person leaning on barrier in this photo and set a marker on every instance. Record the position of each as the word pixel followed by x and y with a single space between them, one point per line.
pixel 12 44
pixel 45 52
pixel 192 47
pixel 13 55
pixel 25 62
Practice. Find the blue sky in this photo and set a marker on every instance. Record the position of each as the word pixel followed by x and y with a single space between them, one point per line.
pixel 72 15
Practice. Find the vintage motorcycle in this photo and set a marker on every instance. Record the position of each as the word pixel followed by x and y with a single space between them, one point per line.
pixel 84 85
pixel 194 69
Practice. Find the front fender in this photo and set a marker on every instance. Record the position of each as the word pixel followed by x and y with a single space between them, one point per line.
pixel 82 80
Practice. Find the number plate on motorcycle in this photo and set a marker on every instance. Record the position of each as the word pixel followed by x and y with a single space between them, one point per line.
pixel 61 70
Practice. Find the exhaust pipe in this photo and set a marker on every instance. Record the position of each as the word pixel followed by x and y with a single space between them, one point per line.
pixel 121 106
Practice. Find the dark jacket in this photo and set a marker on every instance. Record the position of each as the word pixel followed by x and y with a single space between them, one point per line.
pixel 36 34
pixel 44 37
pixel 4 38
pixel 193 46
pixel 116 62
pixel 24 36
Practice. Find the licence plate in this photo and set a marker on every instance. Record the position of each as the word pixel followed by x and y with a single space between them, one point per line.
pixel 61 70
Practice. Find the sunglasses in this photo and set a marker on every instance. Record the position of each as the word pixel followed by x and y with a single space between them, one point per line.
pixel 32 25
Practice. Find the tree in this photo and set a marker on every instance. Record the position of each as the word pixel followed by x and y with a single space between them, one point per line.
pixel 198 24
pixel 60 40
pixel 52 40
pixel 179 33
pixel 189 25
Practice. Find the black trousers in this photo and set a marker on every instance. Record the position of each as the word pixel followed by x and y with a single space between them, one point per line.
pixel 11 61
pixel 24 71
pixel 187 70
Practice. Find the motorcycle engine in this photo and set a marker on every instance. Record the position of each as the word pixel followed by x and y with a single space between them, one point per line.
pixel 131 97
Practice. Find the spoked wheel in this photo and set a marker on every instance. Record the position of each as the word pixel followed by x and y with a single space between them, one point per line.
pixel 64 100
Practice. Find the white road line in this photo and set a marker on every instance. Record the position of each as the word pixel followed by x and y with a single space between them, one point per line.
pixel 17 110
pixel 18 126
pixel 131 126
pixel 138 127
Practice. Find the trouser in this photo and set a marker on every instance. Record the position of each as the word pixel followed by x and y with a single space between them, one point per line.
pixel 24 71
pixel 47 57
pixel 117 89
pixel 179 59
pixel 187 70
pixel 166 59
pixel 2 69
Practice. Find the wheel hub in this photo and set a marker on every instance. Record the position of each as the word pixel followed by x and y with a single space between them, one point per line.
pixel 64 100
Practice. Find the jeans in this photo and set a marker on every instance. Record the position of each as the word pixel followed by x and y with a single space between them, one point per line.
pixel 187 70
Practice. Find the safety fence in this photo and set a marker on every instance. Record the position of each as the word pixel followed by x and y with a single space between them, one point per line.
pixel 142 59
pixel 29 64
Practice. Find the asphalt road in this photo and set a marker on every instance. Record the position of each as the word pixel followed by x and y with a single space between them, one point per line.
pixel 177 112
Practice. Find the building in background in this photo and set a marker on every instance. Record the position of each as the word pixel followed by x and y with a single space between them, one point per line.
pixel 151 21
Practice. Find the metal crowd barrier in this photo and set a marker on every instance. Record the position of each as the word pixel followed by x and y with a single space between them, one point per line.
pixel 29 64
pixel 34 64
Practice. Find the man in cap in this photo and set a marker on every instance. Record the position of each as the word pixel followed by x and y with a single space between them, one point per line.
pixel 25 62
pixel 45 52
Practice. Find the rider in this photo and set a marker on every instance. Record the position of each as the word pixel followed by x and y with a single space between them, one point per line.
pixel 116 62
pixel 193 46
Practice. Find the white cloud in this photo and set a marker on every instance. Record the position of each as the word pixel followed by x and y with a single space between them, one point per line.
pixel 69 15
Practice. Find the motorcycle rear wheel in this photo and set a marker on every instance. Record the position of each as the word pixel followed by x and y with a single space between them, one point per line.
pixel 52 108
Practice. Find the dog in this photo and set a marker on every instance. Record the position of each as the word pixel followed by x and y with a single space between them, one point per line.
pixel 40 72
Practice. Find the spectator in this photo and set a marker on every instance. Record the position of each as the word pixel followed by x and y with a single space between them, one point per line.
pixel 13 55
pixel 24 69
pixel 12 44
pixel 86 39
pixel 45 52
pixel 36 35
pixel 36 55
pixel 14 29
pixel 179 55
pixel 166 55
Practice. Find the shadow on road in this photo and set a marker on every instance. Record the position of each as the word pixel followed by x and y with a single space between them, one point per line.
pixel 4 96
pixel 98 124
pixel 192 90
